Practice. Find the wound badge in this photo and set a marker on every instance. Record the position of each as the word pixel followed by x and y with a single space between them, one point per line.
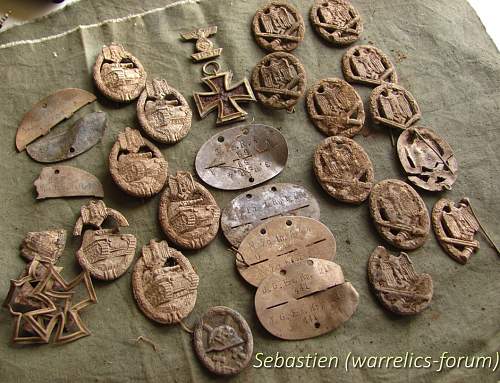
pixel 163 112
pixel 396 284
pixel 118 74
pixel 105 253
pixel 205 48
pixel 279 80
pixel 136 165
pixel 368 65
pixel 337 21
pixel 278 26
pixel 188 213
pixel 164 283
pixel 47 244
pixel 335 108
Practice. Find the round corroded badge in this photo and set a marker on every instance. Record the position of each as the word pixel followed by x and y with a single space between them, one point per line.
pixel 396 284
pixel 163 112
pixel 242 157
pixel 278 26
pixel 305 299
pixel 252 208
pixel 343 169
pixel 399 214
pixel 335 108
pixel 165 284
pixel 118 74
pixel 393 106
pixel 337 21
pixel 427 159
pixel 223 341
pixel 279 80
pixel 368 65
pixel 188 213
pixel 280 241
pixel 136 165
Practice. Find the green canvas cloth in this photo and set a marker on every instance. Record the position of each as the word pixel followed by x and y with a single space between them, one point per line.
pixel 448 63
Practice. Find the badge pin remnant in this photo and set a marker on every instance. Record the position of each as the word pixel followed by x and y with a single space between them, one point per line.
pixel 399 214
pixel 279 80
pixel 242 157
pixel 163 112
pixel 258 205
pixel 188 213
pixel 222 96
pixel 280 241
pixel 69 143
pixel 427 159
pixel 368 65
pixel 204 47
pixel 343 169
pixel 67 181
pixel 164 283
pixel 337 21
pixel 118 74
pixel 396 284
pixel 335 108
pixel 50 111
pixel 278 26
pixel 136 165
pixel 223 341
pixel 305 299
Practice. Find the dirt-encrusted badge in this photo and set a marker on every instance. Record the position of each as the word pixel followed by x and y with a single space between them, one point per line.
pixel 368 65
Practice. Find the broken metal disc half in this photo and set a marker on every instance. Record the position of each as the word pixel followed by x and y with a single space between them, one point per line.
pixel 69 143
pixel 252 208
pixel 242 157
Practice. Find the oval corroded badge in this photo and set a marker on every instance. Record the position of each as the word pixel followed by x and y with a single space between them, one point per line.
pixel 242 157
pixel 368 65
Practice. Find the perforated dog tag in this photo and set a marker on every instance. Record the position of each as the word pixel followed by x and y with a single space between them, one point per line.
pixel 242 157
pixel 305 299
pixel 252 208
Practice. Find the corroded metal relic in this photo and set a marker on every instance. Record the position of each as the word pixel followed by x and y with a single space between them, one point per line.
pixel 399 214
pixel 163 112
pixel 242 157
pixel 255 206
pixel 136 165
pixel 335 108
pixel 164 283
pixel 188 213
pixel 396 284
pixel 368 65
pixel 305 299
pixel 67 181
pixel 393 106
pixel 48 244
pixel 50 111
pixel 343 169
pixel 280 241
pixel 223 341
pixel 278 26
pixel 337 21
pixel 223 96
pixel 105 253
pixel 279 80
pixel 118 74
pixel 427 159
pixel 204 47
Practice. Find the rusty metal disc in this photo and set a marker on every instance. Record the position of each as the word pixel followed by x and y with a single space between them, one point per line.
pixel 255 206
pixel 242 157
pixel 281 241
pixel 164 283
pixel 223 341
pixel 305 299
pixel 396 284
pixel 69 143
pixel 399 214
pixel 343 169
pixel 427 159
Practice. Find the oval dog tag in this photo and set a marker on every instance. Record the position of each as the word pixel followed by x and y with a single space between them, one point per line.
pixel 281 241
pixel 242 157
